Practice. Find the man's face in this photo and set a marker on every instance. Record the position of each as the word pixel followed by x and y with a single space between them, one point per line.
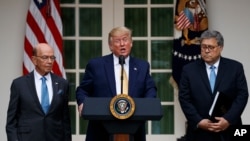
pixel 210 51
pixel 44 60
pixel 121 45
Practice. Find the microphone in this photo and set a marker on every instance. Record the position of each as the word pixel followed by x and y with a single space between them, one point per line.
pixel 122 62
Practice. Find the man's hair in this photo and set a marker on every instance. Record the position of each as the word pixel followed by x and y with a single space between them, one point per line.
pixel 34 51
pixel 119 30
pixel 213 34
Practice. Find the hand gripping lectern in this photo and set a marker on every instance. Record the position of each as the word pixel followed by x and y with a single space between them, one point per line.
pixel 99 109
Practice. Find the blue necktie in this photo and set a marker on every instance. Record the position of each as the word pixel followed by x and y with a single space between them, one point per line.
pixel 45 96
pixel 212 77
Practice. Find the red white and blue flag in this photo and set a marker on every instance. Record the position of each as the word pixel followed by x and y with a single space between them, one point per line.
pixel 190 22
pixel 184 19
pixel 44 25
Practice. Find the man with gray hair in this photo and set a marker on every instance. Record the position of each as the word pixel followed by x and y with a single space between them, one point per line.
pixel 201 81
pixel 38 105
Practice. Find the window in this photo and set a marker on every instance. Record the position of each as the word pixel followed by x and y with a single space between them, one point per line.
pixel 86 25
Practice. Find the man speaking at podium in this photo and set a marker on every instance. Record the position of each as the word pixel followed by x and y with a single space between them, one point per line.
pixel 102 78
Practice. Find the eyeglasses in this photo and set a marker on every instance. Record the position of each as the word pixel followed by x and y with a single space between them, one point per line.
pixel 209 47
pixel 46 58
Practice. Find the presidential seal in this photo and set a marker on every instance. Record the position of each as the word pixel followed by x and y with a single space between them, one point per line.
pixel 122 106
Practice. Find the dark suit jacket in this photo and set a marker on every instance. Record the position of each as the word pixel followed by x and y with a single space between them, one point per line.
pixel 99 81
pixel 196 97
pixel 26 120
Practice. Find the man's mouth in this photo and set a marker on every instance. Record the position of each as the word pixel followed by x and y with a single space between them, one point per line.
pixel 123 50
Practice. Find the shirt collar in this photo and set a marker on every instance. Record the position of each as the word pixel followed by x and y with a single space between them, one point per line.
pixel 116 60
pixel 38 76
pixel 216 64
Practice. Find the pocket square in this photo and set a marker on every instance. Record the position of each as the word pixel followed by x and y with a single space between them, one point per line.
pixel 60 91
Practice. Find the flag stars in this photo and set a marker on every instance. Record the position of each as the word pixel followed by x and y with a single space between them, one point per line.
pixel 180 55
pixel 186 57
pixel 175 53
pixel 40 1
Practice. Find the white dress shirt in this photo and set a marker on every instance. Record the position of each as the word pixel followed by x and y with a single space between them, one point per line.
pixel 38 84
pixel 117 70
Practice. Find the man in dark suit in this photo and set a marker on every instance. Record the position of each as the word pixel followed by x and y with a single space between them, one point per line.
pixel 102 79
pixel 196 94
pixel 26 119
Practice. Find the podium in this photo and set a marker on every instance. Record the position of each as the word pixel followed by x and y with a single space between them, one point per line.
pixel 145 109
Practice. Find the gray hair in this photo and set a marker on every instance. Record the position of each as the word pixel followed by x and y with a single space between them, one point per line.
pixel 213 34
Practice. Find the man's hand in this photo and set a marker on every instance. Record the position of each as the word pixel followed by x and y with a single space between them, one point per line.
pixel 204 124
pixel 221 124
pixel 80 107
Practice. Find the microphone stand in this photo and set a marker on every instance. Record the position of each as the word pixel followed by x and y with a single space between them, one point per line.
pixel 122 62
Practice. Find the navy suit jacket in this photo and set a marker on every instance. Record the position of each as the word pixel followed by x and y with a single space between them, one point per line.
pixel 26 120
pixel 196 97
pixel 99 81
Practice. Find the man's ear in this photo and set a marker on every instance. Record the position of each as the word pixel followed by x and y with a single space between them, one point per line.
pixel 111 48
pixel 34 60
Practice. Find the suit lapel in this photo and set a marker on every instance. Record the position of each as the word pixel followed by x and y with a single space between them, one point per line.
pixel 55 87
pixel 109 68
pixel 220 73
pixel 133 70
pixel 32 87
pixel 204 75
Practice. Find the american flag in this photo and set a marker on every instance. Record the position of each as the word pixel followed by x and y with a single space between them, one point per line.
pixel 190 22
pixel 184 20
pixel 44 25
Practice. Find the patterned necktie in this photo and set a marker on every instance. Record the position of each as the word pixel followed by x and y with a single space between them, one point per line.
pixel 125 82
pixel 123 137
pixel 212 77
pixel 45 96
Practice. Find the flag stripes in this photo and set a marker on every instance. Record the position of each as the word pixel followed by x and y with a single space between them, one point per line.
pixel 190 22
pixel 183 21
pixel 44 25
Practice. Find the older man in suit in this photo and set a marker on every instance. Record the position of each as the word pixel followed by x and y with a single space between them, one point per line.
pixel 102 79
pixel 197 91
pixel 28 118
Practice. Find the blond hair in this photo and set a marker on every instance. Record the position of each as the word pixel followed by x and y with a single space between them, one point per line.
pixel 118 31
